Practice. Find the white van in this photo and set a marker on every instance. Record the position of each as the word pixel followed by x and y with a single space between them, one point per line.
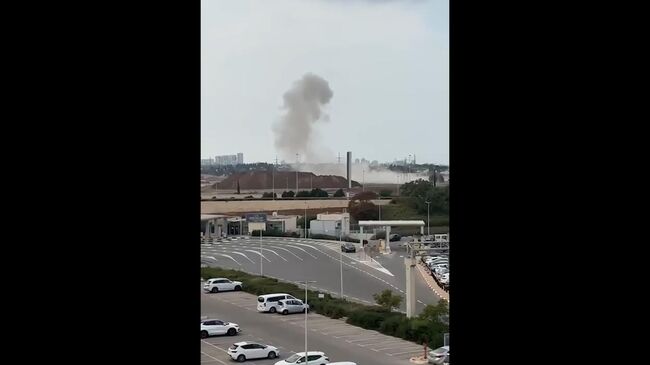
pixel 269 302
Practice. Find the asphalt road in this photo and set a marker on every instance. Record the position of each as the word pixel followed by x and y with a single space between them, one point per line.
pixel 295 259
pixel 337 339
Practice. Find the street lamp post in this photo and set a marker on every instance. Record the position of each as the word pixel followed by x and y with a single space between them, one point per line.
pixel 261 258
pixel 341 255
pixel 428 225
pixel 306 282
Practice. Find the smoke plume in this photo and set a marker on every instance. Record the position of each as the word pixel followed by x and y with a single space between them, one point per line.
pixel 303 103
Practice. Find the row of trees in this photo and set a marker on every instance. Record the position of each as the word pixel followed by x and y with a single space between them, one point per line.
pixel 421 191
pixel 314 193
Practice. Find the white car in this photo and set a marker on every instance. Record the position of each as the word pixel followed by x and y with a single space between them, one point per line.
pixel 343 363
pixel 444 279
pixel 211 327
pixel 270 302
pixel 438 355
pixel 221 284
pixel 314 358
pixel 287 306
pixel 242 351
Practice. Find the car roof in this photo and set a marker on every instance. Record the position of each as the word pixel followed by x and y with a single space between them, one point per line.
pixel 210 319
pixel 302 353
pixel 272 295
pixel 219 279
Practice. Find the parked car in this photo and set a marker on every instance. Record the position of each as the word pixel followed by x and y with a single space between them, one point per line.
pixel 343 363
pixel 287 306
pixel 314 358
pixel 438 355
pixel 395 237
pixel 212 327
pixel 270 302
pixel 221 284
pixel 242 351
pixel 348 247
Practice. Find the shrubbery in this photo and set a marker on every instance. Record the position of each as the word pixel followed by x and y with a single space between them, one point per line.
pixel 274 233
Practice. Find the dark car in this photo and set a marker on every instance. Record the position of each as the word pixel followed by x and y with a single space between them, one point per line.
pixel 395 237
pixel 348 247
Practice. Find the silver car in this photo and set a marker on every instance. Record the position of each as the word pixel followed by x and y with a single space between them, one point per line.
pixel 287 306
pixel 439 356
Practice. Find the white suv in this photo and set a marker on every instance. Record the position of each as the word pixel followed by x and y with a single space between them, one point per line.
pixel 270 302
pixel 221 284
pixel 211 327
pixel 242 351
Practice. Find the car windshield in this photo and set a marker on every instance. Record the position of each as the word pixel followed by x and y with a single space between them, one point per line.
pixel 260 299
pixel 440 350
pixel 293 358
pixel 233 347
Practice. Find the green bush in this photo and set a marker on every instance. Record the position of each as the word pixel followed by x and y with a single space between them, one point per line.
pixel 385 193
pixel 369 319
pixel 274 233
pixel 339 193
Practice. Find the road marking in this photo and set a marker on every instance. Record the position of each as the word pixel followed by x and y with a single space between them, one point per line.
pixel 408 352
pixel 280 248
pixel 275 254
pixel 214 358
pixel 257 253
pixel 388 348
pixel 242 254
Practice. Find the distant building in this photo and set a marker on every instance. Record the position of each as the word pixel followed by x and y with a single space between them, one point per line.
pixel 207 162
pixel 330 224
pixel 229 159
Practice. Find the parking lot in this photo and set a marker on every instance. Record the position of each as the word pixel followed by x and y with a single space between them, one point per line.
pixel 339 340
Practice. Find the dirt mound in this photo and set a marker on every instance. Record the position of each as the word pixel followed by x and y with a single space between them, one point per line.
pixel 264 180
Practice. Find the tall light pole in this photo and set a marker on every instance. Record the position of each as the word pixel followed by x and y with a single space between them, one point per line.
pixel 306 282
pixel 363 180
pixel 304 221
pixel 341 255
pixel 296 174
pixel 273 174
pixel 261 258
pixel 428 225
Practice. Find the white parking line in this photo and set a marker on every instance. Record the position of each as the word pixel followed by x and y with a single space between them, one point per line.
pixel 401 346
pixel 242 254
pixel 281 248
pixel 257 253
pixel 278 255
pixel 420 350
pixel 365 339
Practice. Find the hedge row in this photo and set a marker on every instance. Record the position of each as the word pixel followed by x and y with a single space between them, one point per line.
pixel 425 328
pixel 274 233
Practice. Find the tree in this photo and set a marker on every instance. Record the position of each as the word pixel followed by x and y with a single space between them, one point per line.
pixel 238 192
pixel 366 195
pixel 385 193
pixel 361 208
pixel 318 193
pixel 269 195
pixel 387 299
pixel 339 193
pixel 303 194
pixel 288 194
pixel 436 312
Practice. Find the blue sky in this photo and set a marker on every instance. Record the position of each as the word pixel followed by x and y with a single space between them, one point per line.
pixel 386 61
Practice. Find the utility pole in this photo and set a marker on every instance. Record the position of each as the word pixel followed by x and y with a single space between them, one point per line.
pixel 297 174
pixel 428 225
